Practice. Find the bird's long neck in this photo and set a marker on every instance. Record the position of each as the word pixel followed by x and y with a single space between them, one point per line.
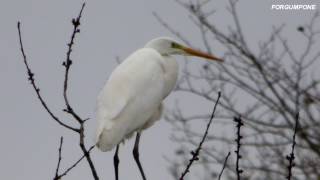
pixel 171 73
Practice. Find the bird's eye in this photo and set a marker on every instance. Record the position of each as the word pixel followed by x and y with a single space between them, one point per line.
pixel 174 45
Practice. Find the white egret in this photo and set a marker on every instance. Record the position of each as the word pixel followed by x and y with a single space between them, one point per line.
pixel 131 100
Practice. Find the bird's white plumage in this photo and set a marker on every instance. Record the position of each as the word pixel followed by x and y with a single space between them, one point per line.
pixel 132 98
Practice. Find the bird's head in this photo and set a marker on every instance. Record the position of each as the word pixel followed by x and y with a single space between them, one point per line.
pixel 168 46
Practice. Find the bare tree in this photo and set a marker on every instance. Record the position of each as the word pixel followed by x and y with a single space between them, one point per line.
pixel 275 82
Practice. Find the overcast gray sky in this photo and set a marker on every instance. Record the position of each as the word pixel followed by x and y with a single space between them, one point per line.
pixel 29 138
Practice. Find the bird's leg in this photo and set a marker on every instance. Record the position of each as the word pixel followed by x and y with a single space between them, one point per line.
pixel 116 162
pixel 136 155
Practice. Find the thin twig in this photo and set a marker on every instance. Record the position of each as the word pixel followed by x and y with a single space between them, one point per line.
pixel 76 163
pixel 59 160
pixel 67 63
pixel 291 156
pixel 224 165
pixel 238 140
pixel 37 89
pixel 195 153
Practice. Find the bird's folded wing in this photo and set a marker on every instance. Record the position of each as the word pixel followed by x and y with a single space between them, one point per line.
pixel 131 78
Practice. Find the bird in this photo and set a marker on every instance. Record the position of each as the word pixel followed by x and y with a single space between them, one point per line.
pixel 132 98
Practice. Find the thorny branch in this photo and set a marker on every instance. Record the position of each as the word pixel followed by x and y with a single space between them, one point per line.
pixel 239 122
pixel 196 152
pixel 67 64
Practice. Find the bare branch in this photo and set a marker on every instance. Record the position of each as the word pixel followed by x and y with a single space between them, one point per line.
pixel 196 152
pixel 291 156
pixel 68 62
pixel 59 160
pixel 37 89
pixel 224 165
pixel 76 163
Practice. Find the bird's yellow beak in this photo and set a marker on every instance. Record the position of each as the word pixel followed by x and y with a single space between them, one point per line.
pixel 198 53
